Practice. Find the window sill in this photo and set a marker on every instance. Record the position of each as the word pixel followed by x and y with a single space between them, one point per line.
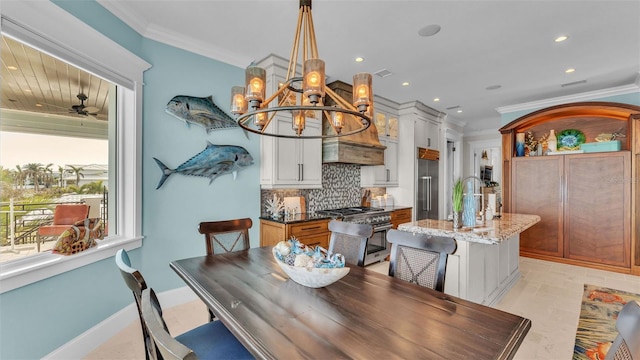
pixel 26 271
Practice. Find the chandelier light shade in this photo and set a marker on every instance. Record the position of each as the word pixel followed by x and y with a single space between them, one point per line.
pixel 302 96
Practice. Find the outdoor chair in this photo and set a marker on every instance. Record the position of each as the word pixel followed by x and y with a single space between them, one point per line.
pixel 350 240
pixel 64 216
pixel 135 281
pixel 226 236
pixel 209 341
pixel 626 346
pixel 420 258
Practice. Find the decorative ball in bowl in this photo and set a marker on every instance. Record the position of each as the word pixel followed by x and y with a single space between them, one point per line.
pixel 311 267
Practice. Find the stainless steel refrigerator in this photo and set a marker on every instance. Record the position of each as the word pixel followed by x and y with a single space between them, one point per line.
pixel 427 190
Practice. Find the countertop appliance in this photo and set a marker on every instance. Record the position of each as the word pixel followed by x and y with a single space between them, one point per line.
pixel 426 201
pixel 377 247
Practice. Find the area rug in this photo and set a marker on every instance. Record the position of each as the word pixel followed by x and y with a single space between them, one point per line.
pixel 597 324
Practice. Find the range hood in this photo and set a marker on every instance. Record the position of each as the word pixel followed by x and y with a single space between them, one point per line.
pixel 362 148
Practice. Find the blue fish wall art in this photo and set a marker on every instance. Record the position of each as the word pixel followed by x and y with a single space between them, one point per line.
pixel 213 161
pixel 201 111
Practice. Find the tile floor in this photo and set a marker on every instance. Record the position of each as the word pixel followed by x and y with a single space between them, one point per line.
pixel 548 293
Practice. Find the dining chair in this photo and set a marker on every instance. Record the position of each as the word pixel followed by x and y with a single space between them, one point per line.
pixel 226 236
pixel 64 215
pixel 350 240
pixel 420 258
pixel 209 341
pixel 626 346
pixel 135 281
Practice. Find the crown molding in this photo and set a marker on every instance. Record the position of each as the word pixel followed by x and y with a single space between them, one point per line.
pixel 180 41
pixel 619 90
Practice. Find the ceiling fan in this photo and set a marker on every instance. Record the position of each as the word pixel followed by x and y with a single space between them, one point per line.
pixel 81 109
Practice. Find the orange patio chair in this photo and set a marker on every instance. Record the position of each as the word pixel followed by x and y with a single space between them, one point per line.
pixel 64 216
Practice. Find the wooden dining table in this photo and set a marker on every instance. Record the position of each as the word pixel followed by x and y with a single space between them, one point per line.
pixel 364 315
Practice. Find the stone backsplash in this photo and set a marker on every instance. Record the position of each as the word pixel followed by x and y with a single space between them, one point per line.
pixel 340 188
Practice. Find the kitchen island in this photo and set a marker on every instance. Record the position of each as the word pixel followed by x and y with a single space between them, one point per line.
pixel 486 263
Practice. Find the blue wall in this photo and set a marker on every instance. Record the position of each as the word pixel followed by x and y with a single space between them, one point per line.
pixel 38 318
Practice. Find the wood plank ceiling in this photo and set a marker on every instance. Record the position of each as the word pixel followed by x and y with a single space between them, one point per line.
pixel 33 81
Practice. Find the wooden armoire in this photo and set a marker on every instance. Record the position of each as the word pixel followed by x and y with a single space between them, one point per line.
pixel 588 202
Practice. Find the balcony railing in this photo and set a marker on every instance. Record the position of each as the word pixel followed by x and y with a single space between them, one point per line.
pixel 28 217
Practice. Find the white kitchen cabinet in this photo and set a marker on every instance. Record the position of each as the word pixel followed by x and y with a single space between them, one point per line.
pixel 291 163
pixel 382 175
pixel 427 134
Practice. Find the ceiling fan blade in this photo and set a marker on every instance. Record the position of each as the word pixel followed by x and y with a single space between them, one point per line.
pixel 91 109
pixel 61 107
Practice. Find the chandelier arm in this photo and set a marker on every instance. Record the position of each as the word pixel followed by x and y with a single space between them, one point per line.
pixel 312 32
pixel 266 125
pixel 305 38
pixel 291 71
pixel 278 92
pixel 337 98
pixel 326 113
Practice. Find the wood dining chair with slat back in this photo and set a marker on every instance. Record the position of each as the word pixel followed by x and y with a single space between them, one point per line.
pixel 136 283
pixel 209 341
pixel 226 236
pixel 350 240
pixel 420 258
pixel 626 346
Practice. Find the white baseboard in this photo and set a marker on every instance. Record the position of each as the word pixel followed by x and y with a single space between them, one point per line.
pixel 85 343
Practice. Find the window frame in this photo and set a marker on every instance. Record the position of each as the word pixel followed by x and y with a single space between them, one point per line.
pixel 27 21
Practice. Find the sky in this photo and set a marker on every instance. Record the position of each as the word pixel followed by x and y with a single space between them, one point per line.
pixel 21 149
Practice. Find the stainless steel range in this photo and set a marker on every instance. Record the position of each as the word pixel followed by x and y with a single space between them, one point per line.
pixel 377 247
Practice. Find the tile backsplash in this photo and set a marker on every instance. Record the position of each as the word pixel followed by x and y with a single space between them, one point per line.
pixel 340 188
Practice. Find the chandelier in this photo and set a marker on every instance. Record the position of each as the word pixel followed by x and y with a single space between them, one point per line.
pixel 303 97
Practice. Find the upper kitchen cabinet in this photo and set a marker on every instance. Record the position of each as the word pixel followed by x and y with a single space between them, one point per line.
pixel 587 202
pixel 387 126
pixel 426 124
pixel 427 133
pixel 288 163
pixel 291 163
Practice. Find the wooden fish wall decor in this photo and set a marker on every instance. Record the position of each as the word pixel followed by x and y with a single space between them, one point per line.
pixel 213 161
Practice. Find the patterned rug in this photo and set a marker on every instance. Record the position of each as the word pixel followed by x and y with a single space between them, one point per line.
pixel 597 324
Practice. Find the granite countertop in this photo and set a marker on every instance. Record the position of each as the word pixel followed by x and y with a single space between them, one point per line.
pixel 295 218
pixel 492 232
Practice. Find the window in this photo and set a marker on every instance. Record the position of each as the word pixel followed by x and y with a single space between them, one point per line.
pixel 122 72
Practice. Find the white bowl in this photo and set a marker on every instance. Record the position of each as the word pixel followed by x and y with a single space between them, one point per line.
pixel 312 277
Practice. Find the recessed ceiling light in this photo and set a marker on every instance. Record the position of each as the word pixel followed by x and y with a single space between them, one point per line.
pixel 570 70
pixel 436 99
pixel 493 87
pixel 405 83
pixel 561 38
pixel 39 105
pixel 429 30
pixel 27 90
pixel 459 111
pixel 11 67
pixel 359 59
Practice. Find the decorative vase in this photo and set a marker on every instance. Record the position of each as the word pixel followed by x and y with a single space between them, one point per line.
pixel 552 141
pixel 520 144
pixel 457 219
pixel 469 207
